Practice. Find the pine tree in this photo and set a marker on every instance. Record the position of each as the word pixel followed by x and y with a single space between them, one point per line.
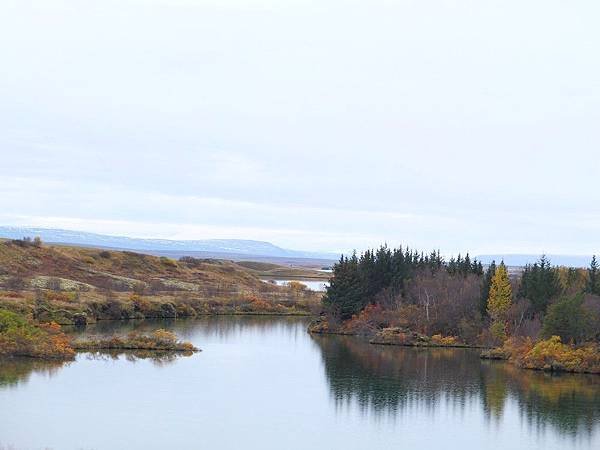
pixel 593 283
pixel 540 284
pixel 466 269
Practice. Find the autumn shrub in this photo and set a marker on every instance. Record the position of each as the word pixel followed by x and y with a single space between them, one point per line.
pixel 368 321
pixel 141 304
pixel 20 337
pixel 394 336
pixel 158 340
pixel 168 262
pixel 55 296
pixel 185 310
pixel 296 287
pixel 553 355
pixel 438 339
pixel 252 303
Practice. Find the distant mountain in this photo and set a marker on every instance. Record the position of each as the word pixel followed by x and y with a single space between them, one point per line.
pixel 523 260
pixel 239 247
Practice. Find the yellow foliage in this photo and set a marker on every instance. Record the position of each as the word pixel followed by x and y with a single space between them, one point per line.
pixel 552 354
pixel 438 339
pixel 500 298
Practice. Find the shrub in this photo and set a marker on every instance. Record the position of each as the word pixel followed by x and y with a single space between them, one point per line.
pixel 552 355
pixel 159 340
pixel 438 339
pixel 168 310
pixel 168 262
pixel 20 337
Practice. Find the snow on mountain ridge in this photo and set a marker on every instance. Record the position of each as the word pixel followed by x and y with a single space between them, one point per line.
pixel 238 246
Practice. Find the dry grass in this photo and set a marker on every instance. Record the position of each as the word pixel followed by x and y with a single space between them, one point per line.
pixel 71 285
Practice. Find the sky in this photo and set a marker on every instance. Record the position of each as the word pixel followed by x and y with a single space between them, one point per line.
pixel 317 125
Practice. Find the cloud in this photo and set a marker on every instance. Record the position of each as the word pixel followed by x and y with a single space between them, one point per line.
pixel 328 125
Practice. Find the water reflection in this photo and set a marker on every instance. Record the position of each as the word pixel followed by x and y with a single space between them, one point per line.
pixel 16 371
pixel 392 380
pixel 225 327
pixel 258 375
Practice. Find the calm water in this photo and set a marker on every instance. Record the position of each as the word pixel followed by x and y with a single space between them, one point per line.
pixel 313 285
pixel 264 383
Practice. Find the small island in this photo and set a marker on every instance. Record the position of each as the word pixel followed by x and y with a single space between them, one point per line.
pixel 21 337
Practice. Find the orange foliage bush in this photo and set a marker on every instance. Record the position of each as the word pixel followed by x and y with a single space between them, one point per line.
pixel 552 355
pixel 57 296
pixel 20 337
pixel 438 339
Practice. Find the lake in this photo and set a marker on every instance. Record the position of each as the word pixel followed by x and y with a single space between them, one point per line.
pixel 313 285
pixel 264 383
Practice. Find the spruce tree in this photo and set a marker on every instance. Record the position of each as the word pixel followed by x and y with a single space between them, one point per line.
pixel 593 283
pixel 485 288
pixel 540 284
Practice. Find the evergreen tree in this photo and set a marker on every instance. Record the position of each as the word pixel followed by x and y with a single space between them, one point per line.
pixel 467 268
pixel 593 283
pixel 344 294
pixel 452 266
pixel 540 284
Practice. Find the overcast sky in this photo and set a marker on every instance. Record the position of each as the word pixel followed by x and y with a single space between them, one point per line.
pixel 318 125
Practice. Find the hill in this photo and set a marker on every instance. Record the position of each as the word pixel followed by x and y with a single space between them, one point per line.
pixel 64 283
pixel 216 248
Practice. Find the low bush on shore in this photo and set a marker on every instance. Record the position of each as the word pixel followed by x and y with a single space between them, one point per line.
pixel 21 337
pixel 549 355
pixel 405 337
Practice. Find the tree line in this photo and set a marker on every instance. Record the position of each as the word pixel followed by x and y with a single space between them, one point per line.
pixel 460 297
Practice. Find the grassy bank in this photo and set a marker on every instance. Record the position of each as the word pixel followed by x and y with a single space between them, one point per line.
pixel 76 286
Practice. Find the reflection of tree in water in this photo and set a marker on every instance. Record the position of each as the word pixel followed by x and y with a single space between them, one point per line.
pixel 224 326
pixel 567 402
pixel 157 357
pixel 14 371
pixel 388 379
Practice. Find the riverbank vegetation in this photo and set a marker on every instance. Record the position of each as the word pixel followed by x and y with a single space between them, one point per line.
pixel 405 297
pixel 22 337
pixel 75 286
pixel 548 354
pixel 43 287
